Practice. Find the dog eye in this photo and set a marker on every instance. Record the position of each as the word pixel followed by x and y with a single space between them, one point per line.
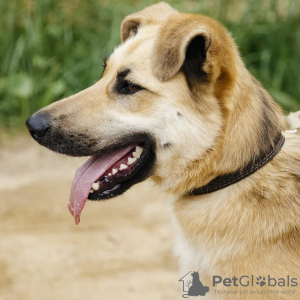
pixel 129 88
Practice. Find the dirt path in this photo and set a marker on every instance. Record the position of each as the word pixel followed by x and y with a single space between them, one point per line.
pixel 120 250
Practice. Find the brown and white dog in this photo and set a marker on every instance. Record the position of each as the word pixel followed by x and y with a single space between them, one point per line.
pixel 175 103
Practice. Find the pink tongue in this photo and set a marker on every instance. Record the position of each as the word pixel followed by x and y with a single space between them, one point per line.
pixel 87 174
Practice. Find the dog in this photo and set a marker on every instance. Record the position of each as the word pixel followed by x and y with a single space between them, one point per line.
pixel 176 104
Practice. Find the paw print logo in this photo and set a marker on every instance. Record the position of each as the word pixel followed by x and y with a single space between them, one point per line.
pixel 261 281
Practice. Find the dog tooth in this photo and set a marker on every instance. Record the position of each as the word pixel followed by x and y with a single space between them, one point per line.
pixel 96 186
pixel 109 174
pixel 91 191
pixel 123 167
pixel 136 154
pixel 139 150
pixel 131 160
pixel 115 171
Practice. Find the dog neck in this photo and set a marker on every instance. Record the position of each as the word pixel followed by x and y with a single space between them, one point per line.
pixel 225 180
pixel 252 128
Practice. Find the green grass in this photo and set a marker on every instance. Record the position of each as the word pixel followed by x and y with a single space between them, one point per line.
pixel 50 49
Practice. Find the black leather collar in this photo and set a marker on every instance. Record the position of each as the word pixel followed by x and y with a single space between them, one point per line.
pixel 225 180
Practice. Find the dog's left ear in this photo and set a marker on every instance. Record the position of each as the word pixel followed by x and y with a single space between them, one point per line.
pixel 152 15
pixel 129 27
pixel 181 44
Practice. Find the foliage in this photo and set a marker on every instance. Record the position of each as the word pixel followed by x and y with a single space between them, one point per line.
pixel 50 49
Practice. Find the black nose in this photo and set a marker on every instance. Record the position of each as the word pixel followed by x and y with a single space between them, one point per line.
pixel 38 125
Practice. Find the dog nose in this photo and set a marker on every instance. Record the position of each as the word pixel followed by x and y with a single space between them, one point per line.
pixel 38 125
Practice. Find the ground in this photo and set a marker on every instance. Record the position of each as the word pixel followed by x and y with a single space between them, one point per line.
pixel 122 248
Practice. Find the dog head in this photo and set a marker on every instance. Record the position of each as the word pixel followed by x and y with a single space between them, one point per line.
pixel 168 89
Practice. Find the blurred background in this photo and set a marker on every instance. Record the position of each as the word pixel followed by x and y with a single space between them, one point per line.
pixel 50 49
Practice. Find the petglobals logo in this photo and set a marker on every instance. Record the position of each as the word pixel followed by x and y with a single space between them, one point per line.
pixel 192 286
pixel 247 281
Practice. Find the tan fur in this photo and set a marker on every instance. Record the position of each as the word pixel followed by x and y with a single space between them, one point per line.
pixel 214 123
pixel 251 227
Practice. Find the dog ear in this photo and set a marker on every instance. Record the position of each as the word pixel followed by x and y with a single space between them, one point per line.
pixel 129 27
pixel 181 44
pixel 152 15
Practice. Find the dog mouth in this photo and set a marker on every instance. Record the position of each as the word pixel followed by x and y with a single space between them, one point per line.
pixel 110 174
pixel 129 165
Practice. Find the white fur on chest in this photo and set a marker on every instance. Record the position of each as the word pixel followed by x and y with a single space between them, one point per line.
pixel 191 258
pixel 195 253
